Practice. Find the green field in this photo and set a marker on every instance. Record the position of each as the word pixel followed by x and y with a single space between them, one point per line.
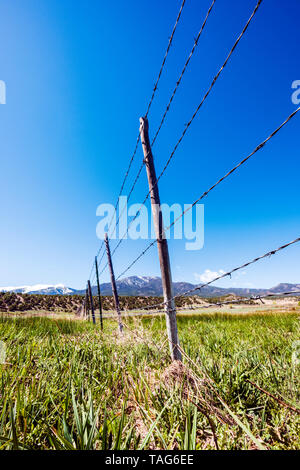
pixel 66 385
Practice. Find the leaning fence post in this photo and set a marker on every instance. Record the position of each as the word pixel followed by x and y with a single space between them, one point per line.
pixel 162 243
pixel 91 302
pixel 99 293
pixel 113 283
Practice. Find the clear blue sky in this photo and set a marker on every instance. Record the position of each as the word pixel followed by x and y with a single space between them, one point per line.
pixel 79 74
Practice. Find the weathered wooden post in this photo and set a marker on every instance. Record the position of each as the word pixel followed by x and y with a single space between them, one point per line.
pixel 162 243
pixel 99 293
pixel 81 310
pixel 87 309
pixel 91 302
pixel 113 283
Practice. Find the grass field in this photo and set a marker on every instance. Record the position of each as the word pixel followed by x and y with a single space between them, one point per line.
pixel 66 385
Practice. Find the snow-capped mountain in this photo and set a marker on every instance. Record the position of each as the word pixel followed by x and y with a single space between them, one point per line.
pixel 152 286
pixel 58 289
pixel 149 286
pixel 141 285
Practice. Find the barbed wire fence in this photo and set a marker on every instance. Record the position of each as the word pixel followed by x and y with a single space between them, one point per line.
pixel 205 194
pixel 168 306
pixel 186 128
pixel 138 137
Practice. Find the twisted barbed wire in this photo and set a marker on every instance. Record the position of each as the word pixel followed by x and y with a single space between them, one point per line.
pixel 228 273
pixel 137 259
pixel 165 58
pixel 130 193
pixel 117 203
pixel 138 138
pixel 190 122
pixel 183 72
pixel 255 260
pixel 259 147
pixel 207 93
pixel 227 302
pixel 149 106
pixel 151 100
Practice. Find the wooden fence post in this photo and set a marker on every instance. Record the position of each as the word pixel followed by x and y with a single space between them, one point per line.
pixel 87 308
pixel 99 293
pixel 113 283
pixel 162 243
pixel 91 302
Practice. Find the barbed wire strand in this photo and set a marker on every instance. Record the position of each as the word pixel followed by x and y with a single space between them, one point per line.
pixel 183 72
pixel 120 215
pixel 228 273
pixel 130 193
pixel 137 259
pixel 206 94
pixel 147 112
pixel 259 147
pixel 227 302
pixel 153 95
pixel 165 57
pixel 117 203
pixel 190 122
pixel 159 348
pixel 220 304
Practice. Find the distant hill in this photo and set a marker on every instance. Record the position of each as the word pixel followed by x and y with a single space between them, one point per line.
pixel 148 286
pixel 151 286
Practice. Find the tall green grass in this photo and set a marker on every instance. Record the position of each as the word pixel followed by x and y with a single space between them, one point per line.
pixel 66 385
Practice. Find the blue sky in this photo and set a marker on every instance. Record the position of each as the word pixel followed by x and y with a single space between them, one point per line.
pixel 80 74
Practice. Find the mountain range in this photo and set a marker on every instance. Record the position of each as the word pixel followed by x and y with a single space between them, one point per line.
pixel 149 286
pixel 41 289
